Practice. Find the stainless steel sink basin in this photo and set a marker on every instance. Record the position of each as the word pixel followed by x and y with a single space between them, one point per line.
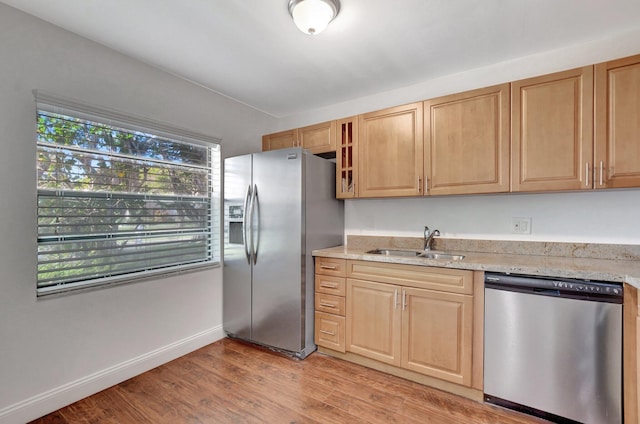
pixel 441 255
pixel 417 253
pixel 395 252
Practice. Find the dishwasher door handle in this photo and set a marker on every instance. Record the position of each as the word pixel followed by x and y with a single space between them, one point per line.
pixel 548 292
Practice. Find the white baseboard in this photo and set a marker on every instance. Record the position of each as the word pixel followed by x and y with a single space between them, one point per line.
pixel 52 400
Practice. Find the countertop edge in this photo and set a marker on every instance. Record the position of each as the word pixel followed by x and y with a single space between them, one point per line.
pixel 610 270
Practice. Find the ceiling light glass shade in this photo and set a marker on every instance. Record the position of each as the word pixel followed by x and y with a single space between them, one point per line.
pixel 313 16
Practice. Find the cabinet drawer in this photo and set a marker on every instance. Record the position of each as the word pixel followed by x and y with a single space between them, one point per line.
pixel 432 278
pixel 331 266
pixel 329 331
pixel 330 304
pixel 330 285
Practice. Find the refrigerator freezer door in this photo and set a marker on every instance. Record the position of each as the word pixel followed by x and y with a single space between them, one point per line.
pixel 278 280
pixel 237 271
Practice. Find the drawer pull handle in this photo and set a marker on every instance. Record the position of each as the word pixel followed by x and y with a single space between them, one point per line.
pixel 328 305
pixel 328 267
pixel 328 286
pixel 331 333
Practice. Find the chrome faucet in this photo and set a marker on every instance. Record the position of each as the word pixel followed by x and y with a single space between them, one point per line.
pixel 428 237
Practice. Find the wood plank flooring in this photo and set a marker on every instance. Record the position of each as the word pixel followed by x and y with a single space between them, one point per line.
pixel 233 382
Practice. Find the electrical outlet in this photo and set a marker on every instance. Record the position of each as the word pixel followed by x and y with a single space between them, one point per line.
pixel 521 225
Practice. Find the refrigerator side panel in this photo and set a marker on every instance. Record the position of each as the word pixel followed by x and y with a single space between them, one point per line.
pixel 277 300
pixel 324 227
pixel 236 269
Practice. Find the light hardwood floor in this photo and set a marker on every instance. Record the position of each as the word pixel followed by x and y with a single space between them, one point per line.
pixel 233 382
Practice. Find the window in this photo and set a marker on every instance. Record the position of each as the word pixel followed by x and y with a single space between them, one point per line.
pixel 118 201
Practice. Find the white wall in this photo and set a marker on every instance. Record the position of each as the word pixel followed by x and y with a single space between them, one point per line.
pixel 57 350
pixel 594 51
pixel 605 216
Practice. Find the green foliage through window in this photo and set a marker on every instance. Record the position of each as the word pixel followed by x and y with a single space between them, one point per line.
pixel 113 201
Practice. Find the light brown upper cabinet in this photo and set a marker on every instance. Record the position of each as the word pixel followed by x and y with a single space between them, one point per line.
pixel 390 154
pixel 280 140
pixel 317 138
pixel 617 123
pixel 466 142
pixel 552 131
pixel 347 158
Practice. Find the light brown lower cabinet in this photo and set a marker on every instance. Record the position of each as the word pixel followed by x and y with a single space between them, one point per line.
pixel 329 331
pixel 631 354
pixel 373 320
pixel 415 328
pixel 631 412
pixel 436 334
pixel 330 288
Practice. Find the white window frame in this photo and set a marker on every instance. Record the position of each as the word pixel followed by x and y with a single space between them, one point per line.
pixel 51 103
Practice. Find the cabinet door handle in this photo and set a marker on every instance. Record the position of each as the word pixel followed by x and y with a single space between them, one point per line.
pixel 404 300
pixel 328 286
pixel 395 299
pixel 328 305
pixel 328 267
pixel 419 184
pixel 586 175
pixel 601 173
pixel 331 333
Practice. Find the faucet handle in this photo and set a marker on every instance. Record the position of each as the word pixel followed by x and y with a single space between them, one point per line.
pixel 436 232
pixel 426 231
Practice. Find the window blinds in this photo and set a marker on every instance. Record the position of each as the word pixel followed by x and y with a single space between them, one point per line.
pixel 116 203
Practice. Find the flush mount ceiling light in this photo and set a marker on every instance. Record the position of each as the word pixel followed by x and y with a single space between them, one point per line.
pixel 313 16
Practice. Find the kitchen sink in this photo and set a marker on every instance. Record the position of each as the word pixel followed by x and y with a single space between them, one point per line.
pixel 441 255
pixel 395 252
pixel 417 253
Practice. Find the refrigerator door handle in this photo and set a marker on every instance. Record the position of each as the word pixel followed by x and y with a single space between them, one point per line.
pixel 255 237
pixel 246 222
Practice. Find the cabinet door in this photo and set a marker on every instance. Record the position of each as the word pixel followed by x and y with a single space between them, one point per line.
pixel 318 138
pixel 280 140
pixel 437 331
pixel 466 148
pixel 552 131
pixel 347 158
pixel 390 152
pixel 617 123
pixel 373 320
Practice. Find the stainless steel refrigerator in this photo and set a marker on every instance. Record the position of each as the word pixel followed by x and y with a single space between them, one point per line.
pixel 278 207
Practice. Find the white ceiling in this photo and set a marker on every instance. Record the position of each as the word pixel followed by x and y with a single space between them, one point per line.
pixel 251 51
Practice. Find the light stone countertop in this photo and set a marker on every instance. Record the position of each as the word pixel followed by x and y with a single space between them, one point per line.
pixel 590 268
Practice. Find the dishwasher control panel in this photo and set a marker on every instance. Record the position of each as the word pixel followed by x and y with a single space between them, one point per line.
pixel 554 286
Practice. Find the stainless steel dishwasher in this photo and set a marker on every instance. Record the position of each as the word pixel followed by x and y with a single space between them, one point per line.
pixel 553 347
